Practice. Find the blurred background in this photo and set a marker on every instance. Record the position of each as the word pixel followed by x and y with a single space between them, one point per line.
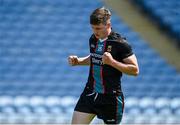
pixel 36 36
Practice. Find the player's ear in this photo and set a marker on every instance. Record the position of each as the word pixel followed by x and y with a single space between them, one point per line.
pixel 108 25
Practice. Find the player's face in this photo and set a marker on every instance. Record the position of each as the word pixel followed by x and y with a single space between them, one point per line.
pixel 101 30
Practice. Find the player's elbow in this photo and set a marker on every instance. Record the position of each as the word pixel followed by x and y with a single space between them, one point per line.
pixel 133 73
pixel 136 72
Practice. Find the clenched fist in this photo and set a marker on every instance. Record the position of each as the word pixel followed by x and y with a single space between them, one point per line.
pixel 73 60
pixel 107 58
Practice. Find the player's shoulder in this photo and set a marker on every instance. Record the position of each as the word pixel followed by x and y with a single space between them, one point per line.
pixel 92 38
pixel 117 38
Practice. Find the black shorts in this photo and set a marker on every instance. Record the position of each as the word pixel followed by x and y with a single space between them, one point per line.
pixel 107 107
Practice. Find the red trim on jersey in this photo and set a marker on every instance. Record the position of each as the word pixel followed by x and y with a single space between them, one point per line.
pixel 93 76
pixel 102 80
pixel 94 82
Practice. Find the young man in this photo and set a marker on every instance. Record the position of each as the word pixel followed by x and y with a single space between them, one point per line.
pixel 110 56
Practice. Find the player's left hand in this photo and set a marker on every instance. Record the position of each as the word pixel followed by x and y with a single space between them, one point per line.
pixel 107 58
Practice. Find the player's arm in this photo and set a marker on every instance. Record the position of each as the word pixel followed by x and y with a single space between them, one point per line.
pixel 129 65
pixel 75 60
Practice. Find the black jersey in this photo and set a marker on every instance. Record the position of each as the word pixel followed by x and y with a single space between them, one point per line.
pixel 104 78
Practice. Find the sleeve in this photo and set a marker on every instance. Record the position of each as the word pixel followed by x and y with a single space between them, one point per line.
pixel 125 50
pixel 90 43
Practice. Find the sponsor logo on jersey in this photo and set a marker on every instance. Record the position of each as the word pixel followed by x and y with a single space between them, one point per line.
pixel 100 48
pixel 92 46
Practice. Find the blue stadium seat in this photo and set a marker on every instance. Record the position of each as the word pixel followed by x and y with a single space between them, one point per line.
pixel 166 13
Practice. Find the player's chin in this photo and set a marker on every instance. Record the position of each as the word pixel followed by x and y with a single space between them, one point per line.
pixel 97 36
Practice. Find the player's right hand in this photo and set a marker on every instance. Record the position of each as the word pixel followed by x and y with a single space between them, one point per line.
pixel 73 60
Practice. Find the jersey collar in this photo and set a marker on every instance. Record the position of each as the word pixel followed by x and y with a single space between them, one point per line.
pixel 102 40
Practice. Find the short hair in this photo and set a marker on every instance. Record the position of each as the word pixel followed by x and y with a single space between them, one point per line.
pixel 100 15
